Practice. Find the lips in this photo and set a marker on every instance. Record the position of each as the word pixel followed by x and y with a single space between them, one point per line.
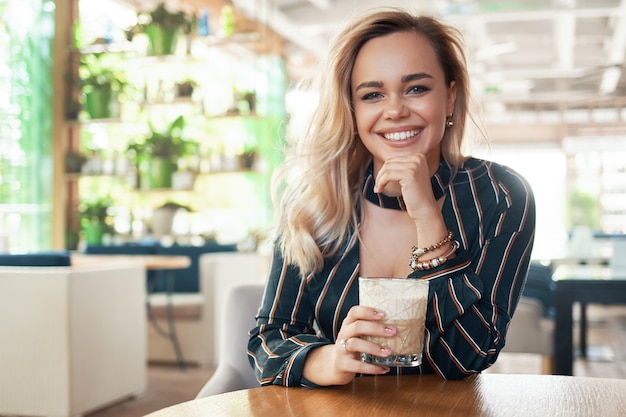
pixel 400 136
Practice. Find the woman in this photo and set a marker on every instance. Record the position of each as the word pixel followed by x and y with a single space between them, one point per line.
pixel 378 175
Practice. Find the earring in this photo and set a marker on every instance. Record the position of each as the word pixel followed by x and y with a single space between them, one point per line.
pixel 449 122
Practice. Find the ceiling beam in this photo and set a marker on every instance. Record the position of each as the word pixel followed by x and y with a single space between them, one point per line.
pixel 565 37
pixel 539 73
pixel 534 14
pixel 617 47
pixel 282 25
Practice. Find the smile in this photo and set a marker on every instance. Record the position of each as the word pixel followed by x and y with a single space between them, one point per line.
pixel 396 136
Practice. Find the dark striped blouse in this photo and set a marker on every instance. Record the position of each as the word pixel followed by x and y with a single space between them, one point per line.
pixel 490 209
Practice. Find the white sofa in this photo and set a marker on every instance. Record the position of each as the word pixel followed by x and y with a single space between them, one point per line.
pixel 73 338
pixel 198 315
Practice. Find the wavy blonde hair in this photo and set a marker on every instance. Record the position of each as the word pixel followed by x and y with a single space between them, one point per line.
pixel 320 178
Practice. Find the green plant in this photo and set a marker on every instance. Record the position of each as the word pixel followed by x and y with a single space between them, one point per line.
pixel 582 210
pixel 167 144
pixel 97 73
pixel 165 17
pixel 95 211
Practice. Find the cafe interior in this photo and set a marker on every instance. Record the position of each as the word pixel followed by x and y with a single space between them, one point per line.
pixel 135 170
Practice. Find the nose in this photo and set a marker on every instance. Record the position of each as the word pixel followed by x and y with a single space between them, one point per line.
pixel 396 109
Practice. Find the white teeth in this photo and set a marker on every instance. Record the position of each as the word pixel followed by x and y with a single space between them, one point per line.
pixel 401 135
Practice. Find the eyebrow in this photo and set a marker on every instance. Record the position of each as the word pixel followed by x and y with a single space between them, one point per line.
pixel 405 79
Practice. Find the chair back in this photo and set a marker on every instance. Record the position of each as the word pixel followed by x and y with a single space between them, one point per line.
pixel 233 369
pixel 528 332
pixel 541 286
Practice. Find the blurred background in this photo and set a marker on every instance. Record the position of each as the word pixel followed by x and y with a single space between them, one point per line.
pixel 547 78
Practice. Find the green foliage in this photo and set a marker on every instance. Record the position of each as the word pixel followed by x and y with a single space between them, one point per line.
pixel 582 210
pixel 97 72
pixel 167 144
pixel 165 18
pixel 95 211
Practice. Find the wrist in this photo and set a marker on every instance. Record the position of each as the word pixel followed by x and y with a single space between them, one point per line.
pixel 419 264
pixel 427 257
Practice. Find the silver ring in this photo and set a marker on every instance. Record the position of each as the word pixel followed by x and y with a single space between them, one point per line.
pixel 343 344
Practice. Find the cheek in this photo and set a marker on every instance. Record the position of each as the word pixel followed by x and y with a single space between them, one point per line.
pixel 365 116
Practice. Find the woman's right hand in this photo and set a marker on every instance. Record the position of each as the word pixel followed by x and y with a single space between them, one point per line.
pixel 338 364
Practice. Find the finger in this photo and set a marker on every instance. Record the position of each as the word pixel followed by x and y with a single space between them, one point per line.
pixel 370 369
pixel 359 312
pixel 370 328
pixel 344 344
pixel 354 364
pixel 358 367
pixel 402 173
pixel 358 345
pixel 413 163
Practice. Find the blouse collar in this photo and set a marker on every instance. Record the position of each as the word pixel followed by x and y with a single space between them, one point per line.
pixel 439 182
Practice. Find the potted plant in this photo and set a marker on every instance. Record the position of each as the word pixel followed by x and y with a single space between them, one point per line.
pixel 162 25
pixel 95 221
pixel 73 162
pixel 185 88
pixel 100 84
pixel 158 154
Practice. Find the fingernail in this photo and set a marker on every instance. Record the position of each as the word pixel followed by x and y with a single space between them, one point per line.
pixel 386 369
pixel 385 351
pixel 390 330
pixel 378 313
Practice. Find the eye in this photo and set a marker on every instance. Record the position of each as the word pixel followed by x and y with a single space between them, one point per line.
pixel 371 96
pixel 418 89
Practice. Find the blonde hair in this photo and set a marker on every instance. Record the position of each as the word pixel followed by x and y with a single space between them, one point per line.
pixel 320 178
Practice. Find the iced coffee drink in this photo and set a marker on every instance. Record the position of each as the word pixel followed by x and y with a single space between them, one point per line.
pixel 404 303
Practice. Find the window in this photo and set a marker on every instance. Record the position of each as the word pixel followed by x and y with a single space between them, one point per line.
pixel 26 34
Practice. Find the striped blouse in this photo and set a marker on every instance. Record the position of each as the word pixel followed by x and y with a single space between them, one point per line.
pixel 490 209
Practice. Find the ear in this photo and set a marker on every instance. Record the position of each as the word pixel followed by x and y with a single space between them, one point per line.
pixel 451 98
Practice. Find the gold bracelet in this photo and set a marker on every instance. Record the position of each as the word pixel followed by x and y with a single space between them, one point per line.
pixel 432 263
pixel 417 252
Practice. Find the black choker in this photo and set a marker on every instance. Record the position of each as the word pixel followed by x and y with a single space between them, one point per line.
pixel 438 181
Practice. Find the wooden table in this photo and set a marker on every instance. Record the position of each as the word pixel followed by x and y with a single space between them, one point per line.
pixel 428 395
pixel 151 262
pixel 583 284
pixel 154 263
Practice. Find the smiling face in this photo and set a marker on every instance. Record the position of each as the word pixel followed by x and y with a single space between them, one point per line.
pixel 400 98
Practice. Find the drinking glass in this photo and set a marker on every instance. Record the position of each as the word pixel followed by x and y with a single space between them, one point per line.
pixel 404 302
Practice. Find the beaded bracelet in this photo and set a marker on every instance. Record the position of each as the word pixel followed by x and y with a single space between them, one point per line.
pixel 432 263
pixel 417 252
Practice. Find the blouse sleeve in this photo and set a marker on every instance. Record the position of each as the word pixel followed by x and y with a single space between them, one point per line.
pixel 473 296
pixel 284 333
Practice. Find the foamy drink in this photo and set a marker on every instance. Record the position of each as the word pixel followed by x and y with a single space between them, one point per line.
pixel 404 303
